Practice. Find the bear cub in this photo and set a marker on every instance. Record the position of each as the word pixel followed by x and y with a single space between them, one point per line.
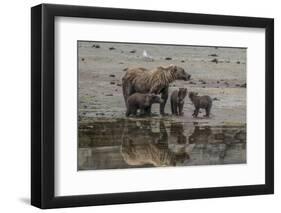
pixel 142 102
pixel 177 101
pixel 200 102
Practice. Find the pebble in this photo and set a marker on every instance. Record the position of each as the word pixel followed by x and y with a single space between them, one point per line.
pixel 111 75
pixel 168 58
pixel 215 60
pixel 111 48
pixel 202 81
pixel 243 85
pixel 96 46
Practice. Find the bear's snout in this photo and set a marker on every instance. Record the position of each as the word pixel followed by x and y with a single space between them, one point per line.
pixel 187 77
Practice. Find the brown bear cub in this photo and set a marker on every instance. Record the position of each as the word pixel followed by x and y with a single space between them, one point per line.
pixel 177 101
pixel 201 102
pixel 143 102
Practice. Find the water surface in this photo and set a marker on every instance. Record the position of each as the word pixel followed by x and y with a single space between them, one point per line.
pixel 135 143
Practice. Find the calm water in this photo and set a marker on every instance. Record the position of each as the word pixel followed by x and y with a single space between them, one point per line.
pixel 135 143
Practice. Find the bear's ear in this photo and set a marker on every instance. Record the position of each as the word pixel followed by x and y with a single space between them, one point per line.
pixel 172 68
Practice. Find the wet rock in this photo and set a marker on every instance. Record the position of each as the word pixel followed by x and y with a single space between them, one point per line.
pixel 243 85
pixel 168 58
pixel 111 48
pixel 215 60
pixel 191 82
pixel 112 82
pixel 133 51
pixel 213 55
pixel 182 61
pixel 96 46
pixel 125 69
pixel 218 82
pixel 109 94
pixel 85 106
pixel 202 81
pixel 216 99
pixel 121 62
pixel 82 59
pixel 238 62
pixel 111 75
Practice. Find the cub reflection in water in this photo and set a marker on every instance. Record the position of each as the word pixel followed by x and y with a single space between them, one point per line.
pixel 142 146
pixel 200 135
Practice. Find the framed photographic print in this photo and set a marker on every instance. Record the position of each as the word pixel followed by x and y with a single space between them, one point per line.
pixel 139 106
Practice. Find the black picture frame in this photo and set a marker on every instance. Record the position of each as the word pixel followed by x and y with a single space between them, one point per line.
pixel 43 105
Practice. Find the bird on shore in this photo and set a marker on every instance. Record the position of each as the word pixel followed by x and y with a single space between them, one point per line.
pixel 146 56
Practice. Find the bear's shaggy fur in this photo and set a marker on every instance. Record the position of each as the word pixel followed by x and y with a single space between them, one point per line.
pixel 201 102
pixel 154 81
pixel 177 101
pixel 142 102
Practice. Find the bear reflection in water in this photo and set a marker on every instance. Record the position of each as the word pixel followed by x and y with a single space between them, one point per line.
pixel 140 147
pixel 156 143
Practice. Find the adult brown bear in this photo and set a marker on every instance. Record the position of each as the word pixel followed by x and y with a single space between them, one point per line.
pixel 154 81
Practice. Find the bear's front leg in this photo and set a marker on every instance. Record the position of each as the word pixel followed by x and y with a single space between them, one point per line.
pixel 147 111
pixel 164 97
pixel 181 108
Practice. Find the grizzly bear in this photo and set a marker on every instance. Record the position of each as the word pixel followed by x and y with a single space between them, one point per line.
pixel 200 102
pixel 142 102
pixel 155 81
pixel 177 101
